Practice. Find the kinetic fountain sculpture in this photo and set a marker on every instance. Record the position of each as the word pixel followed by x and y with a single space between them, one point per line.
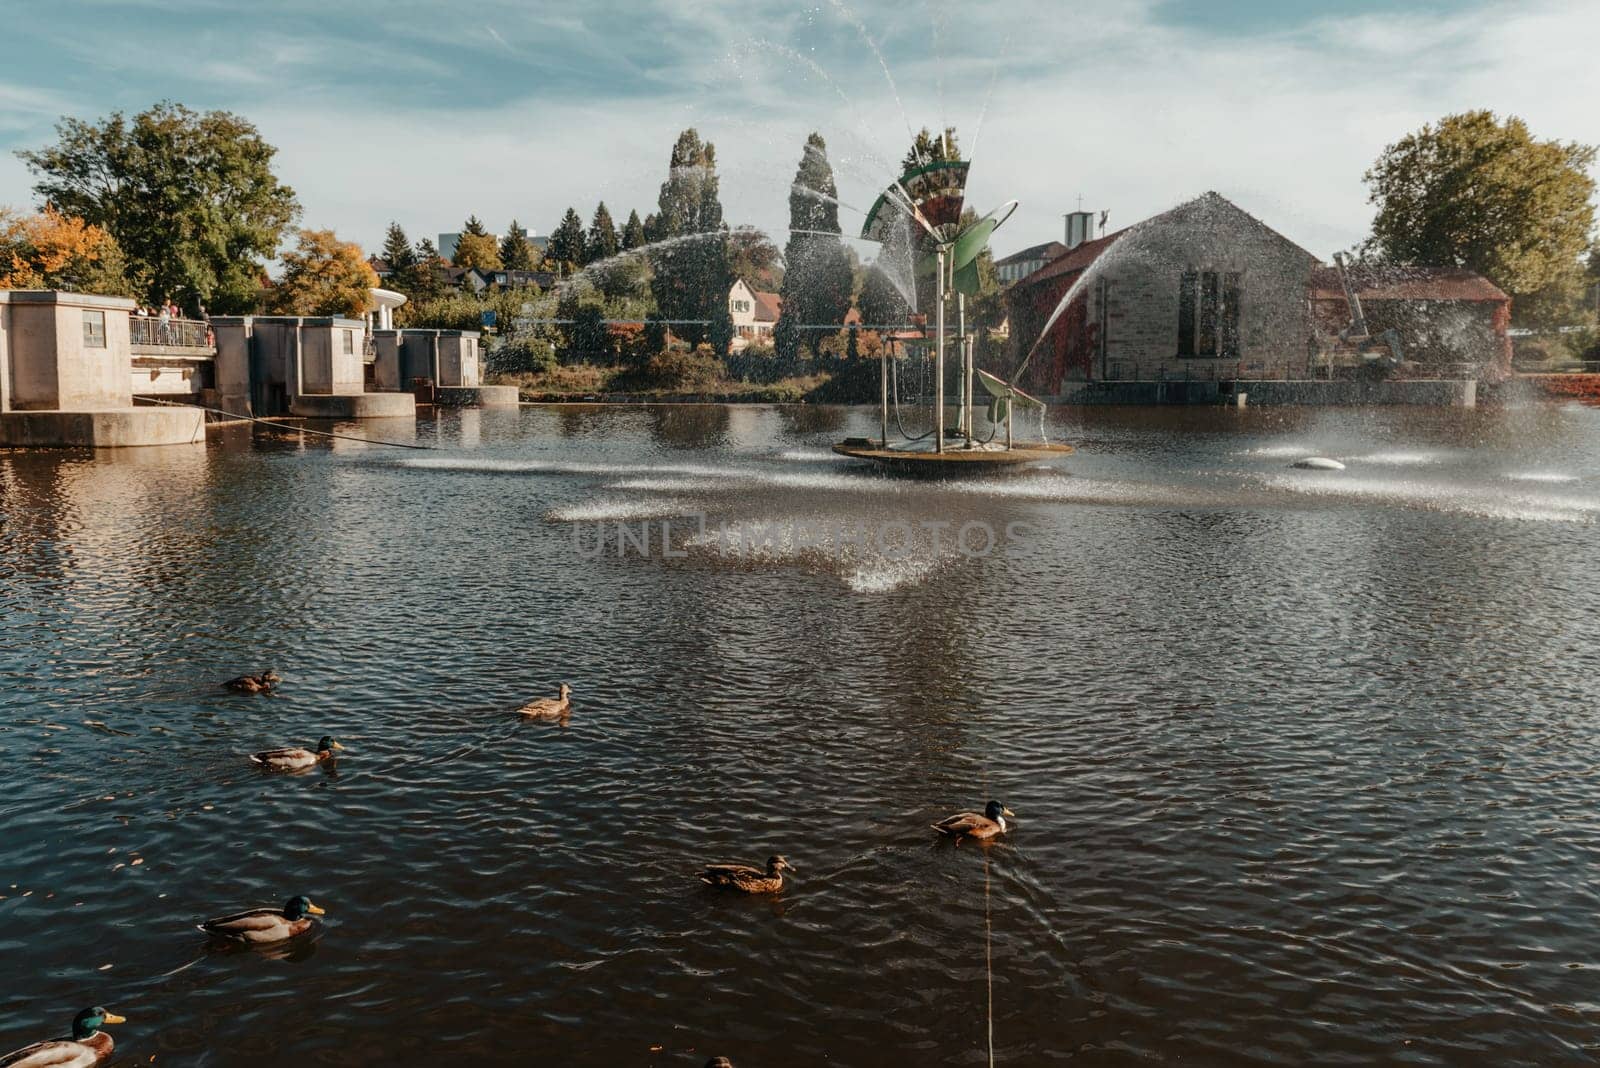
pixel 923 211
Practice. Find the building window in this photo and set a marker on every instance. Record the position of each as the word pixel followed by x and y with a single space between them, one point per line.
pixel 1208 314
pixel 349 342
pixel 94 329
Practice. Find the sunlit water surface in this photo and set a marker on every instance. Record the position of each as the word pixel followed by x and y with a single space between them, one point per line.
pixel 1305 762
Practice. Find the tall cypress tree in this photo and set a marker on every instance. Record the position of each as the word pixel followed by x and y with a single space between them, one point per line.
pixel 566 248
pixel 691 278
pixel 817 278
pixel 602 241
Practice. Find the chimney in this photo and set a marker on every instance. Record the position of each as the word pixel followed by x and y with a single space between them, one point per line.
pixel 1080 228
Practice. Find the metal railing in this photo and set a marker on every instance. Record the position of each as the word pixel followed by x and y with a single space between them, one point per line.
pixel 171 333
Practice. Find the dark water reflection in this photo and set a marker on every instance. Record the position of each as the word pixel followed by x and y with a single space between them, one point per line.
pixel 1305 763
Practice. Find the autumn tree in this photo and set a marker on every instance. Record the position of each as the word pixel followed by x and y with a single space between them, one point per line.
pixel 189 197
pixel 517 253
pixel 817 277
pixel 476 247
pixel 1476 192
pixel 323 276
pixel 49 250
pixel 690 279
pixel 567 244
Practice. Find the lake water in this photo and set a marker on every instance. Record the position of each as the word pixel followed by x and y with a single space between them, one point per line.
pixel 1305 763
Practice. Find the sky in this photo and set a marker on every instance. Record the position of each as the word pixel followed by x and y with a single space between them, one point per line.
pixel 425 111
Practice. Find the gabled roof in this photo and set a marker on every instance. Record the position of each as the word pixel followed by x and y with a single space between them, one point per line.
pixel 1202 211
pixel 1387 282
pixel 1047 251
pixel 768 306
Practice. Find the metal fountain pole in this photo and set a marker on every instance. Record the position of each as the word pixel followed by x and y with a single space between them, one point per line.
pixel 883 390
pixel 938 359
pixel 966 369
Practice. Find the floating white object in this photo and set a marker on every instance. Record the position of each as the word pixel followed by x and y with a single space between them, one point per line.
pixel 1318 463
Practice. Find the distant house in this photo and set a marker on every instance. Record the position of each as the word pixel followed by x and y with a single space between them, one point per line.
pixel 754 314
pixel 380 267
pixel 1018 265
pixel 478 279
pixel 1443 315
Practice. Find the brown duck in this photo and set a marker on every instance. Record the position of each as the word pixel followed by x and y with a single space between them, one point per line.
pixel 262 682
pixel 548 707
pixel 963 825
pixel 748 878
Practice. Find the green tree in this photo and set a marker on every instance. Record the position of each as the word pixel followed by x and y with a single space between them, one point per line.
pixel 691 279
pixel 601 243
pixel 566 248
pixel 1476 192
pixel 323 276
pixel 930 148
pixel 753 257
pixel 632 232
pixel 517 253
pixel 401 258
pixel 190 199
pixel 424 282
pixel 817 277
pixel 475 227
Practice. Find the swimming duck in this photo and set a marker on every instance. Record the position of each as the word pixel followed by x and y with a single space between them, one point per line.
pixel 747 878
pixel 294 759
pixel 263 682
pixel 991 824
pixel 258 927
pixel 548 707
pixel 88 1045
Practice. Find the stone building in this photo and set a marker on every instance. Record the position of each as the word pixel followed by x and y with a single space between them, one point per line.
pixel 1207 293
pixel 1203 291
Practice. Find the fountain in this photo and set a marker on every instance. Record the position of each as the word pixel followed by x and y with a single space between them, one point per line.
pixel 926 204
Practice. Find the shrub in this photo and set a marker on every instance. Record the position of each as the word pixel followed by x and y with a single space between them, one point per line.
pixel 519 353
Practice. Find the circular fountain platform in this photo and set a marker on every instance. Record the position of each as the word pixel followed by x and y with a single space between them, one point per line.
pixel 956 458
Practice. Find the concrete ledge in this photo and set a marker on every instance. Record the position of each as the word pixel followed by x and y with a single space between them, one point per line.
pixel 354 405
pixel 110 428
pixel 477 397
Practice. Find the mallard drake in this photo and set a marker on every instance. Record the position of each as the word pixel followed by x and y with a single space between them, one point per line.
pixel 263 682
pixel 746 877
pixel 293 759
pixel 971 825
pixel 263 926
pixel 548 707
pixel 88 1045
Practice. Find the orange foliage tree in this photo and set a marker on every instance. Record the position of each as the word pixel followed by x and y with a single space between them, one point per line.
pixel 49 250
pixel 323 276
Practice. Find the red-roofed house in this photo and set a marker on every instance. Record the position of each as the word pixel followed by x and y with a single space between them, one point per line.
pixel 1444 315
pixel 754 314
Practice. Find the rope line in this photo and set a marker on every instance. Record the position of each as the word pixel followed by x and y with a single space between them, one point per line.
pixel 291 427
